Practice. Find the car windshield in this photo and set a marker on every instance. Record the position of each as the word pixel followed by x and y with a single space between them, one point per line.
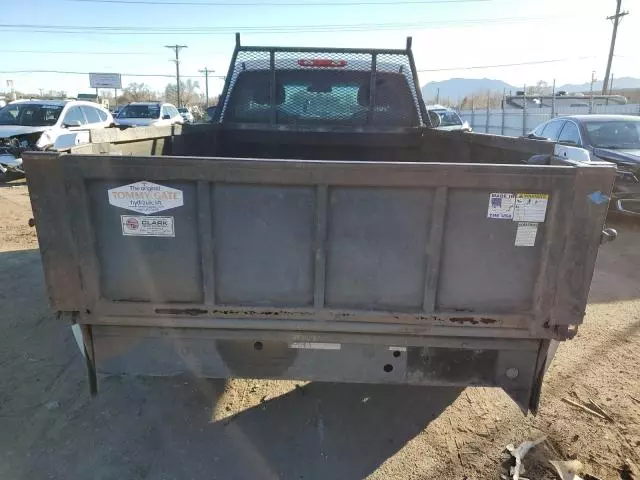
pixel 617 134
pixel 140 111
pixel 30 114
pixel 448 118
pixel 183 110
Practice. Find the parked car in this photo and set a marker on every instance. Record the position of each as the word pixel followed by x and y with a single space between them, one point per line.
pixel 614 138
pixel 41 124
pixel 210 112
pixel 186 114
pixel 116 110
pixel 147 114
pixel 443 118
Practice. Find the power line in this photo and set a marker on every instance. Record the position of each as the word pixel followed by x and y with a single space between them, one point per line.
pixel 78 52
pixel 69 52
pixel 66 72
pixel 84 52
pixel 224 30
pixel 208 28
pixel 537 62
pixel 281 4
pixel 472 67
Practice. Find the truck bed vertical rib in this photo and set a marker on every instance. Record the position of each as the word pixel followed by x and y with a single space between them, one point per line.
pixel 82 226
pixel 436 234
pixel 320 245
pixel 206 241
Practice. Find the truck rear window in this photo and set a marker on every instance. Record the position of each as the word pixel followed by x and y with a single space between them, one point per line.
pixel 328 97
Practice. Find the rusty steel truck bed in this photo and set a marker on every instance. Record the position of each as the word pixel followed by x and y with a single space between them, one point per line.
pixel 384 254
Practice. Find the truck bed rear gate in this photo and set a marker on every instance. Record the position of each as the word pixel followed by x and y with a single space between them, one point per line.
pixel 420 273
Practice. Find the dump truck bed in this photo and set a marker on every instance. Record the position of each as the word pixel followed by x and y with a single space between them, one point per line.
pixel 392 272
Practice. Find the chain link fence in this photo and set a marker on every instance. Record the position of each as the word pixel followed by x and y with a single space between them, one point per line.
pixel 515 122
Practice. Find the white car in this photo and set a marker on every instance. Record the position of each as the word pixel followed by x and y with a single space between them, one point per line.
pixel 42 124
pixel 187 116
pixel 443 118
pixel 148 114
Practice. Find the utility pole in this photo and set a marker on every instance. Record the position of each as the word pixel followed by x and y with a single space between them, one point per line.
pixel 611 85
pixel 553 99
pixel 206 72
pixel 177 49
pixel 593 80
pixel 616 19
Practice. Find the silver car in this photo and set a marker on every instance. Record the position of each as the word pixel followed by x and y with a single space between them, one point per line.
pixel 148 114
pixel 443 118
pixel 187 116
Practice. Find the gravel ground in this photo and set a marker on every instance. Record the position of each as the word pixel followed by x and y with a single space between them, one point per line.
pixel 187 428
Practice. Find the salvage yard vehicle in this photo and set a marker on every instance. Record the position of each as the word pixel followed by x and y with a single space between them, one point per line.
pixel 40 124
pixel 186 114
pixel 614 138
pixel 319 229
pixel 146 114
pixel 444 118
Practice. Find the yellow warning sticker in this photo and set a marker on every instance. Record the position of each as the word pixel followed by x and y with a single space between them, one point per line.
pixel 530 207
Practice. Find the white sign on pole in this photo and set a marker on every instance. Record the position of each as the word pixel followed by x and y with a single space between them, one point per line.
pixel 105 80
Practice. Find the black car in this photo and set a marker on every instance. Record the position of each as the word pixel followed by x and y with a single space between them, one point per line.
pixel 614 138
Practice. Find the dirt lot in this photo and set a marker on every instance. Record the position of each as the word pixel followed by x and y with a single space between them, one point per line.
pixel 185 428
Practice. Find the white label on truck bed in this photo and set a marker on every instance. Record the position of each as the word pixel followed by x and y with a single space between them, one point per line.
pixel 501 205
pixel 526 234
pixel 315 346
pixel 145 197
pixel 145 226
pixel 530 207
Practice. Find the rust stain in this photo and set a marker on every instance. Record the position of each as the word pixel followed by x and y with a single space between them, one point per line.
pixel 258 313
pixel 181 311
pixel 463 320
pixel 488 321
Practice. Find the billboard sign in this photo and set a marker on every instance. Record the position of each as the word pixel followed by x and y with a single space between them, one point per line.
pixel 105 80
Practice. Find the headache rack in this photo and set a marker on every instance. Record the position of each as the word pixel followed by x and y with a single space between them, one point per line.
pixel 273 59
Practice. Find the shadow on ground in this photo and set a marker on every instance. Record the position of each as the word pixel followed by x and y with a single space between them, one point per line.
pixel 12 180
pixel 162 428
pixel 152 428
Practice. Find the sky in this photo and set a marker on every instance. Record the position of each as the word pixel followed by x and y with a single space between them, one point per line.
pixel 449 36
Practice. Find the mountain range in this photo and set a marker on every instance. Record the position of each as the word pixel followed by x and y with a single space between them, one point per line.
pixel 455 89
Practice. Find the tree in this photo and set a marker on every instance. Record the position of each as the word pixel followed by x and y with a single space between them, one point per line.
pixel 137 92
pixel 540 88
pixel 190 93
pixel 480 99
